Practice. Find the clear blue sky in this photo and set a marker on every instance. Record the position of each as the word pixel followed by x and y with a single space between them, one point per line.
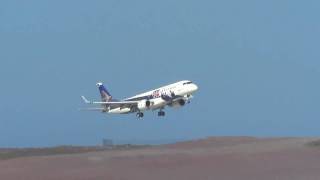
pixel 257 64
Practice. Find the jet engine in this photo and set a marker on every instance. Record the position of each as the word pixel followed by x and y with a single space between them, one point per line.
pixel 178 103
pixel 144 104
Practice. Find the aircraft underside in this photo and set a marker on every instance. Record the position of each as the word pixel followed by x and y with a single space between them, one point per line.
pixel 173 95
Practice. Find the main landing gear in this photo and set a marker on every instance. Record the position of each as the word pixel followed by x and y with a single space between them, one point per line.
pixel 161 113
pixel 140 115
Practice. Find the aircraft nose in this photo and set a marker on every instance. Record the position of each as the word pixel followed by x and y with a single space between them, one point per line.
pixel 195 87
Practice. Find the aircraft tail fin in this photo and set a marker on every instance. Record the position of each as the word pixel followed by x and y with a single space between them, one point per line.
pixel 105 95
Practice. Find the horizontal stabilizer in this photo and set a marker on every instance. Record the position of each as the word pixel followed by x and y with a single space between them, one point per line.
pixel 85 100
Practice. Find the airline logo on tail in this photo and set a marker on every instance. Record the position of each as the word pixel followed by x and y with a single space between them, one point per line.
pixel 105 95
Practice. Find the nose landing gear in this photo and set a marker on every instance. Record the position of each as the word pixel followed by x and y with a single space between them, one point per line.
pixel 161 113
pixel 139 115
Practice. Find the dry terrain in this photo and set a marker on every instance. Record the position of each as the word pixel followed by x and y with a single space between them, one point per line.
pixel 219 158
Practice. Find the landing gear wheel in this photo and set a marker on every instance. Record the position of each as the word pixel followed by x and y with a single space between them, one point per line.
pixel 140 115
pixel 161 113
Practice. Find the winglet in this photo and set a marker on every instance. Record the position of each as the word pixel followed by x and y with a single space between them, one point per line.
pixel 85 100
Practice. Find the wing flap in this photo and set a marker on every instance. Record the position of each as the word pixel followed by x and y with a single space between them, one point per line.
pixel 120 103
pixel 117 103
pixel 92 109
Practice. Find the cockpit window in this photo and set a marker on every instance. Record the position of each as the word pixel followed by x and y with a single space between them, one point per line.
pixel 189 82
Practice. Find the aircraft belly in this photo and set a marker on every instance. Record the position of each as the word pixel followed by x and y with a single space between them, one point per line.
pixel 159 105
pixel 120 110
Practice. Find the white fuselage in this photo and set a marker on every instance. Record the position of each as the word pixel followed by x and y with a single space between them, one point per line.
pixel 154 99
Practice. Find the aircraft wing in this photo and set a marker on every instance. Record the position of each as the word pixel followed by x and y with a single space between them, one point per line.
pixel 120 103
pixel 92 109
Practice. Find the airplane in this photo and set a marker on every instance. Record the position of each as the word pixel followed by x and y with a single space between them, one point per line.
pixel 172 95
